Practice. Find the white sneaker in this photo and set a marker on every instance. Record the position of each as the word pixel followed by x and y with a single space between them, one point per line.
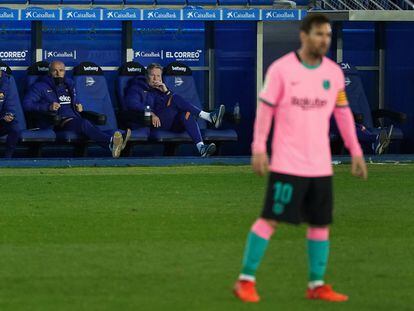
pixel 116 144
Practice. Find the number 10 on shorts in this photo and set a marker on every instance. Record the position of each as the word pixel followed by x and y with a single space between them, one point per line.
pixel 282 196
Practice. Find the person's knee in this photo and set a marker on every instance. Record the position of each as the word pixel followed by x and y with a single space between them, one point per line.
pixel 264 227
pixel 13 127
pixel 318 233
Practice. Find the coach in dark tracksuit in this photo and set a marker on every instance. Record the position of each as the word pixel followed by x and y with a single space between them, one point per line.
pixel 8 122
pixel 55 92
pixel 169 111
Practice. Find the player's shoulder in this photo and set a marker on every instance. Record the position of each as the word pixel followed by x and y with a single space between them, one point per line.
pixel 333 66
pixel 281 63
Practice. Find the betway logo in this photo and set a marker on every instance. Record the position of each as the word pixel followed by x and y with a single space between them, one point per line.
pixel 6 15
pixel 280 15
pixel 115 14
pixel 40 14
pixel 176 68
pixel 133 69
pixel 240 15
pixel 159 15
pixel 42 68
pixel 90 68
pixel 77 14
pixel 201 15
pixel 3 68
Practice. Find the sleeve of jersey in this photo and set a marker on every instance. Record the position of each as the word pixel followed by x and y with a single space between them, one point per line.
pixel 268 99
pixel 346 125
pixel 262 126
pixel 273 87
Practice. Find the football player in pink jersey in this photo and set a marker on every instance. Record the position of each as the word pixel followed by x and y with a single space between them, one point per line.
pixel 302 90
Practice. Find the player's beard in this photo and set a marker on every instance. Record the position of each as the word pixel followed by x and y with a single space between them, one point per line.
pixel 319 52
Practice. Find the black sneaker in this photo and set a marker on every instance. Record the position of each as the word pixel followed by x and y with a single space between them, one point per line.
pixel 217 116
pixel 208 150
pixel 126 137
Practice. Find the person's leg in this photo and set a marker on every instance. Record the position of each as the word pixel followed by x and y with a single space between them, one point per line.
pixel 187 122
pixel 318 211
pixel 179 103
pixel 318 252
pixel 86 128
pixel 13 134
pixel 104 139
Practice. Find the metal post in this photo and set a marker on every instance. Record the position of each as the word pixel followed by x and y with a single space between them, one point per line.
pixel 36 41
pixel 381 45
pixel 127 51
pixel 210 59
pixel 339 43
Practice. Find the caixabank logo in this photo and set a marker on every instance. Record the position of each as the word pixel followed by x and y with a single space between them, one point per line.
pixel 37 14
pixel 250 15
pixel 9 14
pixel 201 15
pixel 81 14
pixel 127 14
pixel 281 15
pixel 161 14
pixel 67 54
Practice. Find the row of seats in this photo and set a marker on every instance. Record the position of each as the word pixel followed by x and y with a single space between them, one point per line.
pixel 93 93
pixel 144 2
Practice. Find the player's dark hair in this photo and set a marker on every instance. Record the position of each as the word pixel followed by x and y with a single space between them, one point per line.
pixel 313 20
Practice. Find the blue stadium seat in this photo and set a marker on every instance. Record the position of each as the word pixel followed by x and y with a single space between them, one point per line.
pixel 13 2
pixel 201 2
pixel 51 2
pixel 139 2
pixel 29 136
pixel 126 72
pixel 261 2
pixel 79 2
pixel 178 78
pixel 359 105
pixel 93 93
pixel 108 2
pixel 233 2
pixel 34 71
pixel 171 2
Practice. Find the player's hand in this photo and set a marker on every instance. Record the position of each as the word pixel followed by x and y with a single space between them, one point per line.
pixel 79 107
pixel 54 107
pixel 8 118
pixel 156 122
pixel 359 167
pixel 260 163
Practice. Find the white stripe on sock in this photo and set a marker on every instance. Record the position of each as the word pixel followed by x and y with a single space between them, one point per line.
pixel 314 284
pixel 246 277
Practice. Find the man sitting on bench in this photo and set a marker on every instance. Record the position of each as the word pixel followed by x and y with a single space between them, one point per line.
pixel 170 111
pixel 55 92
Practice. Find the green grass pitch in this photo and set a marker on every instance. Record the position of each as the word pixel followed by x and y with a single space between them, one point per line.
pixel 172 239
